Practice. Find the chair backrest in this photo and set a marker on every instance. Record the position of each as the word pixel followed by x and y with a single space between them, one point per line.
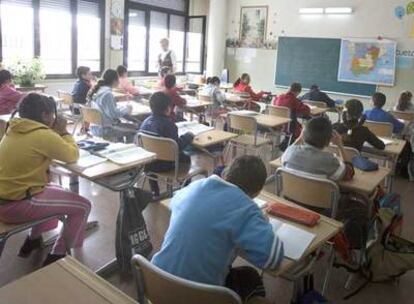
pixel 242 123
pixel 307 190
pixel 407 116
pixel 160 287
pixel 3 125
pixel 279 111
pixel 165 148
pixel 204 97
pixel 66 97
pixel 90 115
pixel 381 129
pixel 350 152
pixel 319 104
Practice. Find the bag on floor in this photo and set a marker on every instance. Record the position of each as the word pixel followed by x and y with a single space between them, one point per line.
pixel 132 236
pixel 309 295
pixel 391 201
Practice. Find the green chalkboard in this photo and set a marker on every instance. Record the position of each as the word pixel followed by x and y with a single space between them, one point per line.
pixel 314 61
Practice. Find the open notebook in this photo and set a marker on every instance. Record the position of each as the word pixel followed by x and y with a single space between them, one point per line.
pixel 386 142
pixel 295 240
pixel 123 154
pixel 193 127
pixel 87 159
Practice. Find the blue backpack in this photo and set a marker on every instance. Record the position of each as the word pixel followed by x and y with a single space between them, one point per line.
pixel 391 201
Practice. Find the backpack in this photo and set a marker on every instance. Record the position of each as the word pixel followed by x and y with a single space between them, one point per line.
pixel 132 235
pixel 391 201
pixel 309 295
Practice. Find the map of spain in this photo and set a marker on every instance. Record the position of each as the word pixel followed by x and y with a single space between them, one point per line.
pixel 364 61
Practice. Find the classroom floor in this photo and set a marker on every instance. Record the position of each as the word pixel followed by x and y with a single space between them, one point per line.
pixel 99 249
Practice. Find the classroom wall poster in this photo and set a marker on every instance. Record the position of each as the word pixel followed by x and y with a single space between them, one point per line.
pixel 117 25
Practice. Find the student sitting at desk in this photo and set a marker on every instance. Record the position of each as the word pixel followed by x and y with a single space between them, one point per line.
pixel 30 144
pixel 242 85
pixel 160 124
pixel 103 100
pixel 82 85
pixel 404 103
pixel 353 131
pixel 212 89
pixel 378 114
pixel 9 96
pixel 124 84
pixel 176 100
pixel 212 219
pixel 297 107
pixel 315 94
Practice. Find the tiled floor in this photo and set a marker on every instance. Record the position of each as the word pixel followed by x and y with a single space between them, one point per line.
pixel 99 249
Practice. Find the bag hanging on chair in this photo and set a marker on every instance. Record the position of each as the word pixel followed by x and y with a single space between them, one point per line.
pixel 132 236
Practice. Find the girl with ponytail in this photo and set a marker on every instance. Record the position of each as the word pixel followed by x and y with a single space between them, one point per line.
pixel 104 100
pixel 242 85
pixel 353 131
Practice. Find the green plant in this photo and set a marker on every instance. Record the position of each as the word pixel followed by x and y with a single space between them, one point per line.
pixel 27 73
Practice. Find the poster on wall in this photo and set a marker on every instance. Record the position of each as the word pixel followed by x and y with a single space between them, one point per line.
pixel 369 61
pixel 117 25
pixel 253 25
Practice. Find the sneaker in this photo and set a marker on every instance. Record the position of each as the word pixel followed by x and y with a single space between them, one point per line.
pixel 29 245
pixel 51 258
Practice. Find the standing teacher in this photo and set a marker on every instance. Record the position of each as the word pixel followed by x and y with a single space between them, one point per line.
pixel 167 60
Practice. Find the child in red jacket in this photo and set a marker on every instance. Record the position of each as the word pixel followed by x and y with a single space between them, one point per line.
pixel 176 100
pixel 297 107
pixel 242 85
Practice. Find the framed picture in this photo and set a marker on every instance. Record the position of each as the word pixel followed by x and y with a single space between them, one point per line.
pixel 253 25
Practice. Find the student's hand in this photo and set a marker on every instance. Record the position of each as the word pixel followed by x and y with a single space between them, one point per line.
pixel 60 126
pixel 336 139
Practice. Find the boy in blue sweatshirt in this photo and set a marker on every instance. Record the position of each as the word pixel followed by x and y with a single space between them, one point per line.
pixel 378 114
pixel 215 219
pixel 82 85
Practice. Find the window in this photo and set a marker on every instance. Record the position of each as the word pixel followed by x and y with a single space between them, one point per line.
pixel 56 36
pixel 17 30
pixel 147 25
pixel 137 37
pixel 89 35
pixel 63 33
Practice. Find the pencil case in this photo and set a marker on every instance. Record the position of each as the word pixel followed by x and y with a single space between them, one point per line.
pixel 301 216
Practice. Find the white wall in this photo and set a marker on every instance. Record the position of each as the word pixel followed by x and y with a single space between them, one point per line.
pixel 371 19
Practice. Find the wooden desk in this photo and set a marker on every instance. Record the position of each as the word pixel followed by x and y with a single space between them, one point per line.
pixel 64 282
pixel 120 96
pixel 363 182
pixel 193 103
pixel 316 111
pixel 391 150
pixel 271 121
pixel 138 109
pixel 324 230
pixel 143 91
pixel 211 138
pixel 35 88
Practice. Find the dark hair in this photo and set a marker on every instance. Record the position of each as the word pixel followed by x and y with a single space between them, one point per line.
pixel 34 105
pixel 82 70
pixel 314 87
pixel 5 75
pixel 121 70
pixel 318 132
pixel 248 173
pixel 108 78
pixel 354 112
pixel 379 99
pixel 243 76
pixel 213 80
pixel 170 81
pixel 159 103
pixel 404 101
pixel 295 87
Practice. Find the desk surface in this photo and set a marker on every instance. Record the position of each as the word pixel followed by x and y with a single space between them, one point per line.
pixel 196 103
pixel 137 108
pixel 271 121
pixel 119 96
pixel 324 230
pixel 316 111
pixel 36 87
pixel 211 138
pixel 63 282
pixel 394 149
pixel 362 182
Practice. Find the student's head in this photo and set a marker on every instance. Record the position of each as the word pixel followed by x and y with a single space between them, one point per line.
pixel 84 72
pixel 160 104
pixel 5 77
pixel 244 78
pixel 295 88
pixel 404 101
pixel 379 99
pixel 122 71
pixel 165 44
pixel 314 87
pixel 109 79
pixel 170 81
pixel 39 108
pixel 353 114
pixel 318 132
pixel 248 173
pixel 213 80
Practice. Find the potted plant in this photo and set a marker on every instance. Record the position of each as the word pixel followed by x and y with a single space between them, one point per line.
pixel 26 74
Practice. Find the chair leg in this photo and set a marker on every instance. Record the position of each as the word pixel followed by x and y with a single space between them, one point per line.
pixel 329 270
pixel 2 244
pixel 63 219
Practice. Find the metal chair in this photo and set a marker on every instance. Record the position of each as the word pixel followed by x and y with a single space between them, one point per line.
pixel 285 113
pixel 167 150
pixel 315 192
pixel 66 99
pixel 350 152
pixel 160 287
pixel 380 129
pixel 406 116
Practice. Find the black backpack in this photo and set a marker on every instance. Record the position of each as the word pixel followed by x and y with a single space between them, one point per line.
pixel 132 235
